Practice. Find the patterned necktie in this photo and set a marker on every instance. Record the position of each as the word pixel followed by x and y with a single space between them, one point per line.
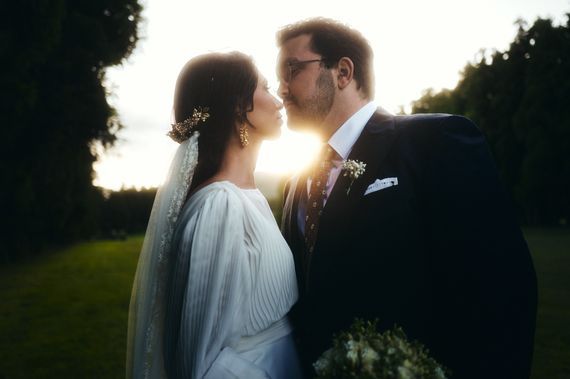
pixel 315 201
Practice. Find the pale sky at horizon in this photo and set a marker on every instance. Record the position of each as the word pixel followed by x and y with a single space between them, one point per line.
pixel 417 45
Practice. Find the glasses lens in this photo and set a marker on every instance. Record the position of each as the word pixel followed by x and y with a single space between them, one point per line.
pixel 288 70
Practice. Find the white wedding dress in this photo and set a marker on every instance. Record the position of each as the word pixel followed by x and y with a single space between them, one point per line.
pixel 231 284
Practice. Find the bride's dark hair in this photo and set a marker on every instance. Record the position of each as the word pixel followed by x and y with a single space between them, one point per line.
pixel 225 83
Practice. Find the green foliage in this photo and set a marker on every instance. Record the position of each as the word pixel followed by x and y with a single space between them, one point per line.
pixel 362 352
pixel 54 110
pixel 126 211
pixel 519 98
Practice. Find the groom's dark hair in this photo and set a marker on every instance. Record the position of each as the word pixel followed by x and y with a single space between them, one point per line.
pixel 225 83
pixel 334 40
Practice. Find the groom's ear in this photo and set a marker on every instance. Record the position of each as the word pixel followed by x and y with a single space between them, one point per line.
pixel 345 72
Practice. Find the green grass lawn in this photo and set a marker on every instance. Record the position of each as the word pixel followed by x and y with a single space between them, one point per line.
pixel 64 315
pixel 550 250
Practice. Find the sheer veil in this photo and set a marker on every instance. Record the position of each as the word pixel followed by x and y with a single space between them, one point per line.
pixel 147 306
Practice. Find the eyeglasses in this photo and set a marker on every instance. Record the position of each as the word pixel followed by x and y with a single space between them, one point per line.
pixel 290 69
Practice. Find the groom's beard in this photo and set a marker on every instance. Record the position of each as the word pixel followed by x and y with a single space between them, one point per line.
pixel 309 113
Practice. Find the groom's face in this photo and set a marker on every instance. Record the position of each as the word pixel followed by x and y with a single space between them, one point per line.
pixel 305 84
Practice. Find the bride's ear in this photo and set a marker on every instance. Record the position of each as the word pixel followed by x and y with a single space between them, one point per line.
pixel 240 117
pixel 345 72
pixel 239 120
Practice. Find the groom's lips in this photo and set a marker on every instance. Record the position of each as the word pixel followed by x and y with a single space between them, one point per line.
pixel 288 107
pixel 287 103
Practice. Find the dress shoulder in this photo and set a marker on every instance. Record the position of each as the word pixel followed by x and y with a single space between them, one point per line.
pixel 218 197
pixel 216 207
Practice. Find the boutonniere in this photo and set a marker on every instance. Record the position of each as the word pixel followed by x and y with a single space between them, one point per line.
pixel 354 170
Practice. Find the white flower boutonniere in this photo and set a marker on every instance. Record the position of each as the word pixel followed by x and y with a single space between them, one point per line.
pixel 353 169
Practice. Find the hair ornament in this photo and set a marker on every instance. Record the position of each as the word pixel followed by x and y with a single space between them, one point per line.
pixel 181 130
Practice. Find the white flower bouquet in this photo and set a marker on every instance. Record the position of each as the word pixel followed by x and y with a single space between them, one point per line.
pixel 364 353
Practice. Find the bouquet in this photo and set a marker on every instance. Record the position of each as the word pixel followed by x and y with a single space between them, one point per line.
pixel 364 353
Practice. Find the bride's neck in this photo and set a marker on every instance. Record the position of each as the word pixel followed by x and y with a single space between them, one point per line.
pixel 238 165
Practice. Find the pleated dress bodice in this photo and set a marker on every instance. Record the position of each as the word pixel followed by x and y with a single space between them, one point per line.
pixel 231 285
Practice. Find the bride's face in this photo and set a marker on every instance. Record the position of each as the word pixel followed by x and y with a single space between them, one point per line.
pixel 266 115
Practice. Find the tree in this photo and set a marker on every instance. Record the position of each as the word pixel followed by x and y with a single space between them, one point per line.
pixel 126 211
pixel 519 100
pixel 54 110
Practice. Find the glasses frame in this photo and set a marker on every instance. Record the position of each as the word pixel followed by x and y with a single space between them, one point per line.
pixel 297 64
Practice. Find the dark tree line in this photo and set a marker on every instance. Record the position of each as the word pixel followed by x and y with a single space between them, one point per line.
pixel 125 212
pixel 520 98
pixel 54 108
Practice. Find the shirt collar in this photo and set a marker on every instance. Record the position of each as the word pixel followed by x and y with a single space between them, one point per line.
pixel 345 137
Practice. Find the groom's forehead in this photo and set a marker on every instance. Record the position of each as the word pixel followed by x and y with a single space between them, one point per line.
pixel 297 48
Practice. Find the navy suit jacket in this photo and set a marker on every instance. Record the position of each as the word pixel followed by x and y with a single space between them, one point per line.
pixel 439 254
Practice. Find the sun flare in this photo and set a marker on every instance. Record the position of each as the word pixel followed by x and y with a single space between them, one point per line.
pixel 288 154
pixel 136 167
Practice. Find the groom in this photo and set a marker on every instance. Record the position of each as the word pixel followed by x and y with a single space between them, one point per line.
pixel 424 237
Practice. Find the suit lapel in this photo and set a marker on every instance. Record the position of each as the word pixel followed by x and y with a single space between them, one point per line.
pixel 295 238
pixel 372 147
pixel 301 186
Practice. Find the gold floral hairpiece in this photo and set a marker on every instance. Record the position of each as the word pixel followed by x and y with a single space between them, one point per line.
pixel 181 130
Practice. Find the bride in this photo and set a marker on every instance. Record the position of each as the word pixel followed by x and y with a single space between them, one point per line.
pixel 215 279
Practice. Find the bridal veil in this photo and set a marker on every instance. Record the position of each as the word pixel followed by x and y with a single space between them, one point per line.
pixel 148 298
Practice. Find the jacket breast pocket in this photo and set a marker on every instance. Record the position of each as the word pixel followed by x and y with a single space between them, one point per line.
pixel 389 204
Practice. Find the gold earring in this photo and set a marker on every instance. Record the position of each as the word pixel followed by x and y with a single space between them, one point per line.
pixel 243 136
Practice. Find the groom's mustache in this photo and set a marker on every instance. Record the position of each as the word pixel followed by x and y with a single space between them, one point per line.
pixel 289 100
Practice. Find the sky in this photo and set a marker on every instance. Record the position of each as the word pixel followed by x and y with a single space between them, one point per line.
pixel 417 44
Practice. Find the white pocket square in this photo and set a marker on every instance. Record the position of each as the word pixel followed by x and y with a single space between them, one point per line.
pixel 380 184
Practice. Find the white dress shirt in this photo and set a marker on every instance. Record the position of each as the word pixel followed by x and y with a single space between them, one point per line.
pixel 342 142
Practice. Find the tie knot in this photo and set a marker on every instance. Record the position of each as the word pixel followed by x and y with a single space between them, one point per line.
pixel 327 153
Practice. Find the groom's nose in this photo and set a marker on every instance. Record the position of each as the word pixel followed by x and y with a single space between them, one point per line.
pixel 283 89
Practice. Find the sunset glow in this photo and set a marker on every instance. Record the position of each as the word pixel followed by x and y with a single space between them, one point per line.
pixel 417 45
